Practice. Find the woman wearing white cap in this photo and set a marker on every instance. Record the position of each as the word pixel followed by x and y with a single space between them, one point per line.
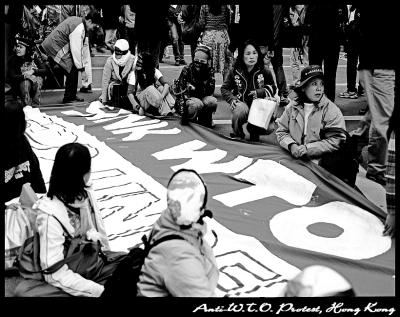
pixel 119 70
pixel 181 267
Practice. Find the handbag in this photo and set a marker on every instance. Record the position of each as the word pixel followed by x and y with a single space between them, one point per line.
pixel 82 256
pixel 261 112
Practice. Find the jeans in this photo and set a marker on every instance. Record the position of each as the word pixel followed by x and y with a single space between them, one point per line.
pixel 277 65
pixel 295 60
pixel 30 91
pixel 87 60
pixel 110 38
pixel 71 83
pixel 177 44
pixel 201 110
pixel 379 89
pixel 353 52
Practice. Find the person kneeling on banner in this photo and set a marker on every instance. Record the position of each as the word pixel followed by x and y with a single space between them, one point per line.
pixel 67 217
pixel 313 127
pixel 318 281
pixel 118 77
pixel 248 83
pixel 152 90
pixel 26 72
pixel 197 82
pixel 183 267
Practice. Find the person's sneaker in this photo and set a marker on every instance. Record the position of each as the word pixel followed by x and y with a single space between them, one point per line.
pixel 71 100
pixel 348 94
pixel 363 111
pixel 182 62
pixel 376 179
pixel 87 89
pixel 100 49
pixel 177 63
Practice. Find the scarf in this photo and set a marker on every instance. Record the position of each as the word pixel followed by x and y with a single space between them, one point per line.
pixel 123 60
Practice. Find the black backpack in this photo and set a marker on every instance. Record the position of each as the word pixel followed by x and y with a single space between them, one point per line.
pixel 123 282
pixel 342 163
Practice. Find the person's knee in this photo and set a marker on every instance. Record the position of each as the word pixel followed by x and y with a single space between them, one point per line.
pixel 210 102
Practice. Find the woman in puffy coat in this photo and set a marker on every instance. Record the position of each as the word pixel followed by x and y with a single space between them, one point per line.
pixel 187 267
pixel 249 79
pixel 313 127
pixel 69 203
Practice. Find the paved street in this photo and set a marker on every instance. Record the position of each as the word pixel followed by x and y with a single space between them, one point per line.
pixel 349 107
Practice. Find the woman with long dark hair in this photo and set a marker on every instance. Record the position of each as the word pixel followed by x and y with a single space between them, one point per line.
pixel 248 80
pixel 21 164
pixel 68 206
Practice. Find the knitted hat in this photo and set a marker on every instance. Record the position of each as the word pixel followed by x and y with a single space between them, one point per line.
pixel 318 281
pixel 185 197
pixel 308 73
pixel 23 41
pixel 204 50
pixel 121 45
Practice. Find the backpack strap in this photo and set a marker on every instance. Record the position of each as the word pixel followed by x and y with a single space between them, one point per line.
pixel 149 246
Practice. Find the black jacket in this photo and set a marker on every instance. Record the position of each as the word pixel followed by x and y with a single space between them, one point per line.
pixel 239 83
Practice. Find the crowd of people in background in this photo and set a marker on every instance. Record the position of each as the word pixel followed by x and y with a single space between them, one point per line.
pixel 244 43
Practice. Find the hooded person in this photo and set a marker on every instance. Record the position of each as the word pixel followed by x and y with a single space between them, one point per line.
pixel 118 70
pixel 318 281
pixel 197 84
pixel 181 268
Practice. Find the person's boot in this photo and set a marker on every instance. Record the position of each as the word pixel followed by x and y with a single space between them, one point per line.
pixel 87 89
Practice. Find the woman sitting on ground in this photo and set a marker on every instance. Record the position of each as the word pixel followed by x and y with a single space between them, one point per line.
pixel 71 204
pixel 21 164
pixel 313 127
pixel 248 80
pixel 119 71
pixel 26 73
pixel 153 91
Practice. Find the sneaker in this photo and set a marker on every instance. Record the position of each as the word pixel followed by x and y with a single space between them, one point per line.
pixel 349 94
pixel 363 111
pixel 177 63
pixel 236 136
pixel 87 89
pixel 182 62
pixel 100 49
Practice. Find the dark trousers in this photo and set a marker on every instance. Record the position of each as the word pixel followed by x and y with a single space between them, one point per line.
pixel 71 83
pixel 277 64
pixel 327 53
pixel 353 53
pixel 130 36
pixel 150 45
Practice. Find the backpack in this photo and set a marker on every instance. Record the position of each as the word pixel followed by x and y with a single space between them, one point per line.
pixel 342 163
pixel 123 282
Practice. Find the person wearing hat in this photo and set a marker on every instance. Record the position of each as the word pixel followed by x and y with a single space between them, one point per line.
pixel 181 267
pixel 248 80
pixel 308 117
pixel 118 70
pixel 151 89
pixel 197 84
pixel 25 73
pixel 318 281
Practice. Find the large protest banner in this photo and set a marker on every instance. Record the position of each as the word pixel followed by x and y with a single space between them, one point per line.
pixel 273 215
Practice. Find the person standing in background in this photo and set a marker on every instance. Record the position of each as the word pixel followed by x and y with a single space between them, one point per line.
pixel 129 22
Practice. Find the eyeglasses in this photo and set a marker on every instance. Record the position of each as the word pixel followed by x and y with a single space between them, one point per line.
pixel 201 61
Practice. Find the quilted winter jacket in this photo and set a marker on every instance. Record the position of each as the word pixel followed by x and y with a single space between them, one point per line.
pixel 179 268
pixel 324 115
pixel 52 238
pixel 111 74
